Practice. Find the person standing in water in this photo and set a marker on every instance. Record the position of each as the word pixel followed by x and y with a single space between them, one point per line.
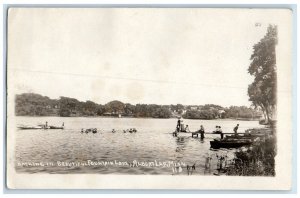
pixel 235 129
pixel 178 125
pixel 221 132
pixel 201 131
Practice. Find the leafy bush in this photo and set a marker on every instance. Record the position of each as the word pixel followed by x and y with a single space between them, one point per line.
pixel 257 160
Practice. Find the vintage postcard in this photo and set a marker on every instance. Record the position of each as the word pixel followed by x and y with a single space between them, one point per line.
pixel 149 98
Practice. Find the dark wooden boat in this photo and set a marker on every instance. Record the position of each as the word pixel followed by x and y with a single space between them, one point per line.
pixel 56 127
pixel 234 143
pixel 240 137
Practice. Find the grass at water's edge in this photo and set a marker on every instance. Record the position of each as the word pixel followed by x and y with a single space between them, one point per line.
pixel 257 160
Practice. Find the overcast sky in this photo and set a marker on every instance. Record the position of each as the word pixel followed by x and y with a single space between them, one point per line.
pixel 162 56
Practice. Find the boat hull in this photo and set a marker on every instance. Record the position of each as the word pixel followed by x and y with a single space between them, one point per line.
pixel 29 128
pixel 216 144
pixel 55 127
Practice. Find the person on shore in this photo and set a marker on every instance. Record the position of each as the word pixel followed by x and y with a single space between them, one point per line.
pixel 113 131
pixel 235 129
pixel 202 131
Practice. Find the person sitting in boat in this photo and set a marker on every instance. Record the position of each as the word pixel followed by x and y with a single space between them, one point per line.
pixel 220 129
pixel 202 131
pixel 235 129
pixel 46 125
pixel 187 129
pixel 113 131
pixel 130 130
pixel 82 130
pixel 217 130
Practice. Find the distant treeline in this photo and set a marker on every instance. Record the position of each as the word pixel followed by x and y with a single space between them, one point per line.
pixel 30 104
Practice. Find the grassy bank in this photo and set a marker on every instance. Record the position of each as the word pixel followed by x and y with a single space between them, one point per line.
pixel 257 160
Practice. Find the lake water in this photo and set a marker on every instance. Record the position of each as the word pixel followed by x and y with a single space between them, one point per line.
pixel 152 150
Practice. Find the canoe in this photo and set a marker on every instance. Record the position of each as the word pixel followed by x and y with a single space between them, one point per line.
pixel 56 127
pixel 29 127
pixel 216 144
pixel 44 126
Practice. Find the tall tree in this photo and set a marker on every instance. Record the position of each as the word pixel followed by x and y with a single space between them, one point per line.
pixel 262 92
pixel 115 107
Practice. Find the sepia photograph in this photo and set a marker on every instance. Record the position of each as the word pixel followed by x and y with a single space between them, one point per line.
pixel 178 98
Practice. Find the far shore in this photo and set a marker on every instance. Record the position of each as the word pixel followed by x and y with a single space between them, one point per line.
pixel 239 119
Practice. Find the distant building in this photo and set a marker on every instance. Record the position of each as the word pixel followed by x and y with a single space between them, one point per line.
pixel 220 113
pixel 194 108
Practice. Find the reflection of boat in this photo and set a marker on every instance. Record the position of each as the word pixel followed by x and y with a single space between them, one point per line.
pixel 229 143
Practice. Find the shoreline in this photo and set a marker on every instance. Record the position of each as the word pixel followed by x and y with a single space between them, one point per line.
pixel 229 119
pixel 257 159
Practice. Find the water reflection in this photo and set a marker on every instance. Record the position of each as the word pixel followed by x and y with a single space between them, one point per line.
pixel 181 143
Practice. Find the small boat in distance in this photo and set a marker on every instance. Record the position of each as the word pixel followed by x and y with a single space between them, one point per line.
pixel 58 127
pixel 40 126
pixel 29 127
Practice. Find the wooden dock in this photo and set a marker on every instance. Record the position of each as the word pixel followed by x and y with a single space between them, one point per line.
pixel 210 133
pixel 197 133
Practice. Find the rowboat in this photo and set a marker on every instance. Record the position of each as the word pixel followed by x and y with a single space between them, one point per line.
pixel 56 127
pixel 234 143
pixel 240 137
pixel 29 127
